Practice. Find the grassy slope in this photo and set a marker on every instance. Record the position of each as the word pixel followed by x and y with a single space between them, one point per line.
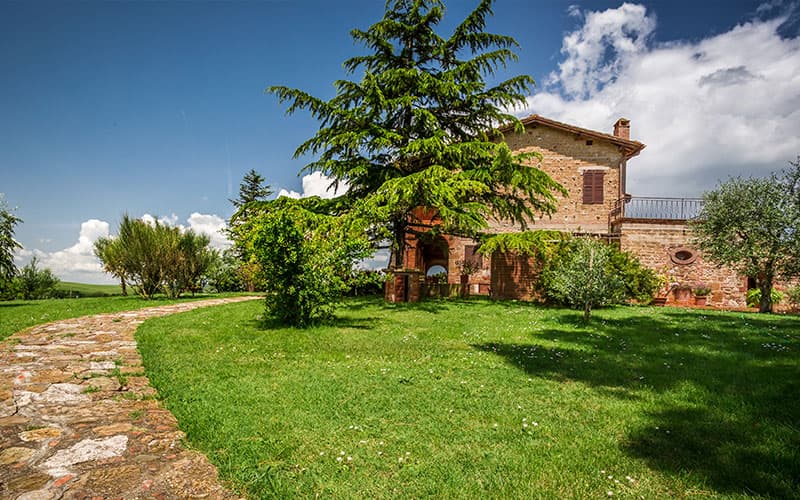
pixel 433 400
pixel 16 315
pixel 87 290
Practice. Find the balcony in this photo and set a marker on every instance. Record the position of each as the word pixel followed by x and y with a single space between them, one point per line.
pixel 648 209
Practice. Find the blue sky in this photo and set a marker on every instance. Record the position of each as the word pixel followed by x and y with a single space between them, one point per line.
pixel 159 108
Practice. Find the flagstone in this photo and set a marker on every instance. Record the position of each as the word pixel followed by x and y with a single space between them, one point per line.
pixel 64 440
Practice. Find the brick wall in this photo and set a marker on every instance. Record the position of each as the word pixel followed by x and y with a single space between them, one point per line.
pixel 656 245
pixel 514 276
pixel 566 156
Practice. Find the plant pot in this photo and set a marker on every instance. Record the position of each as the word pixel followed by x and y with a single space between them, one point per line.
pixel 700 300
pixel 659 301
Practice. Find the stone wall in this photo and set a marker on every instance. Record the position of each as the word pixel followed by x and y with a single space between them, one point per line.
pixel 566 156
pixel 661 246
pixel 514 276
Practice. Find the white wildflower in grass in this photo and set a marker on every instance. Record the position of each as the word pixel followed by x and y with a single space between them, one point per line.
pixel 321 453
pixel 338 459
pixel 524 424
pixel 381 443
pixel 341 453
pixel 362 442
pixel 610 493
pixel 536 424
pixel 380 453
pixel 349 459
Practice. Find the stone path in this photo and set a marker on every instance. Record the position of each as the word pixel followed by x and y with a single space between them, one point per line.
pixel 78 418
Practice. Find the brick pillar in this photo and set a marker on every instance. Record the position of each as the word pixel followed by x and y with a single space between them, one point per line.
pixel 403 286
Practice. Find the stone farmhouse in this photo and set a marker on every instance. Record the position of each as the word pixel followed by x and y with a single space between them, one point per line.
pixel 592 166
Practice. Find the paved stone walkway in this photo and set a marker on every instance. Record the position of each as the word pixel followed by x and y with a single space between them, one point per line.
pixel 78 418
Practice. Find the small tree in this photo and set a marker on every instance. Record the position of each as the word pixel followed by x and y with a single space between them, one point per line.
pixel 306 258
pixel 583 277
pixel 157 257
pixel 35 283
pixel 8 245
pixel 252 190
pixel 111 255
pixel 753 226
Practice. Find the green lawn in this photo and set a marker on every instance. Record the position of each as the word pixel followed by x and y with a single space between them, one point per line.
pixel 16 315
pixel 480 399
pixel 86 290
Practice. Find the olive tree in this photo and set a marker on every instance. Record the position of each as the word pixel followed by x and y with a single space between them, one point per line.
pixel 752 225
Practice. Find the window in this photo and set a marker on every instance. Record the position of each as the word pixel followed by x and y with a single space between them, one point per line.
pixel 683 256
pixel 472 257
pixel 593 186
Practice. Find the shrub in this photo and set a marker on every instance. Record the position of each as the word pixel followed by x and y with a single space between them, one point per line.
pixel 34 283
pixel 224 273
pixel 156 257
pixel 637 281
pixel 366 282
pixel 305 258
pixel 584 278
pixel 793 296
pixel 754 297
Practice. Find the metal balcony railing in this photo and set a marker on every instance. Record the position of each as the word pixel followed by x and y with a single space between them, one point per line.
pixel 648 208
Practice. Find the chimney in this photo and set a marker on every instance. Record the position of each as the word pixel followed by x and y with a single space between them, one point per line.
pixel 622 128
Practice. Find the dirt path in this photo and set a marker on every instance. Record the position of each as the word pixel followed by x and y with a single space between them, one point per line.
pixel 78 418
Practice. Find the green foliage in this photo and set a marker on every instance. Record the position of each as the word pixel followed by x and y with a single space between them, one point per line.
pixel 224 273
pixel 754 297
pixel 252 188
pixel 306 258
pixel 156 258
pixel 753 226
pixel 541 244
pixel 701 290
pixel 583 278
pixel 365 282
pixel 35 283
pixel 419 129
pixel 640 283
pixel 793 296
pixel 8 245
pixel 252 191
pixel 637 281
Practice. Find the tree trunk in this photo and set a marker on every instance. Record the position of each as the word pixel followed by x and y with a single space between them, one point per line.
pixel 766 296
pixel 587 311
pixel 124 287
pixel 398 248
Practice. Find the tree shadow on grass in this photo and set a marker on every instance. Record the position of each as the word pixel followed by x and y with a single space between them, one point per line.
pixel 728 398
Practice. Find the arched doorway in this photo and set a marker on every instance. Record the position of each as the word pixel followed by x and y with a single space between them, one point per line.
pixel 435 255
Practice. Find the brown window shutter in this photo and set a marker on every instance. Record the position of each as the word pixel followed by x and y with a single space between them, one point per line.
pixel 593 186
pixel 472 256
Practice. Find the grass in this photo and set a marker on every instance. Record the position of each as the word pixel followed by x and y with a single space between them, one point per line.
pixel 79 290
pixel 480 399
pixel 16 315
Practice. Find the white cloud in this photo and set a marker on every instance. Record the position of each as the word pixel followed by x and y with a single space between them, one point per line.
pixel 211 225
pixel 316 184
pixel 77 262
pixel 725 105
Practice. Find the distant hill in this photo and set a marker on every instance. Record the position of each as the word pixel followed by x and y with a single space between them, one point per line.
pixel 86 290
